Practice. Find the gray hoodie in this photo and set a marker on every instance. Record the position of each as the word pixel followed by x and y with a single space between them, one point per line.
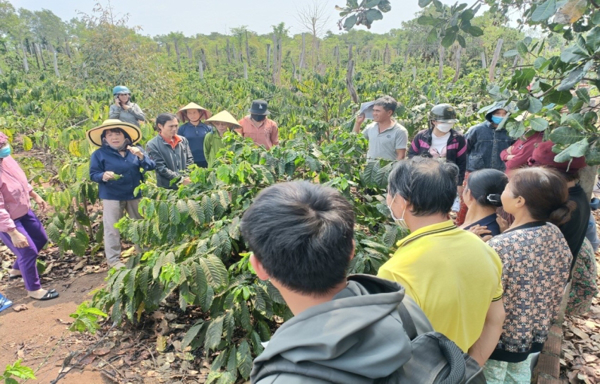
pixel 356 338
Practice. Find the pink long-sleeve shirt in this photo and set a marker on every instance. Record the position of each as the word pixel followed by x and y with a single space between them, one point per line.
pixel 14 194
pixel 522 151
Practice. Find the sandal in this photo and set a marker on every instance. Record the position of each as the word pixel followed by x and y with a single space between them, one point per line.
pixel 4 303
pixel 12 277
pixel 51 294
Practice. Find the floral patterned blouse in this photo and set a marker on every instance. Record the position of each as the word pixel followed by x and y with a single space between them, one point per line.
pixel 536 261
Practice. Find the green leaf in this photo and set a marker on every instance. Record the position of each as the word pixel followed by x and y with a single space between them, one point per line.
pixel 244 359
pixel 523 105
pixel 538 124
pixel 424 3
pixel 350 22
pixel 522 49
pixel 449 38
pixel 196 212
pixel 511 53
pixel 577 149
pixel 475 31
pixel 213 333
pixel 428 20
pixel 583 94
pixel 544 11
pixel 565 135
pixel 596 18
pixel 373 14
pixel 191 334
pixel 384 6
pixel 461 41
pixel 558 97
pixel 573 78
pixel 371 3
pixel 535 105
pixel 573 54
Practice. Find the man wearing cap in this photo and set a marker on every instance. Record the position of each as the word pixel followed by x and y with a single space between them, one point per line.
pixel 194 130
pixel 115 166
pixel 258 127
pixel 213 142
pixel 123 109
pixel 387 138
pixel 20 228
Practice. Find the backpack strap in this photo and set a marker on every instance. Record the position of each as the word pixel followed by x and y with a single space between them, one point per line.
pixel 407 321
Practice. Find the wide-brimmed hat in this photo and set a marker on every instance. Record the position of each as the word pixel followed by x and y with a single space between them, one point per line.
pixel 94 135
pixel 206 112
pixel 543 156
pixel 224 117
pixel 259 107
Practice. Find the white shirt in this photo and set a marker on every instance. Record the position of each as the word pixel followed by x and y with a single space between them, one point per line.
pixel 439 143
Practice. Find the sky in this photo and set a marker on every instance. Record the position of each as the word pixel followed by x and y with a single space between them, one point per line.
pixel 158 17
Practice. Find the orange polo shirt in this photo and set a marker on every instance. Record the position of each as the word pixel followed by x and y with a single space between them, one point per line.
pixel 257 132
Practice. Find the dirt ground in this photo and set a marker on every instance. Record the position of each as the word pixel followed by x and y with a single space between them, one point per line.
pixel 39 334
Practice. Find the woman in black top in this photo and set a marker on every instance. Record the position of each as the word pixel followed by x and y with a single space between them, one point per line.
pixel 482 196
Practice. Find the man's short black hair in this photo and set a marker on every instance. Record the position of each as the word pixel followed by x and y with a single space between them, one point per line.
pixel 302 233
pixel 387 102
pixel 428 185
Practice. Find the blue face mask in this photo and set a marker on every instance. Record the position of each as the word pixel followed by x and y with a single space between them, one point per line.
pixel 497 119
pixel 5 152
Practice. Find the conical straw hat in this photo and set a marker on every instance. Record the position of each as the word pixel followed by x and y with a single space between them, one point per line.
pixel 224 117
pixel 94 135
pixel 207 113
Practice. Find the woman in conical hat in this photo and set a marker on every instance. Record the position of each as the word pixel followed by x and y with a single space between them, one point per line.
pixel 115 166
pixel 222 122
pixel 195 130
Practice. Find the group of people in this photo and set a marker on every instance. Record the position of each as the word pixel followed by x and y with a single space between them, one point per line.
pixel 492 280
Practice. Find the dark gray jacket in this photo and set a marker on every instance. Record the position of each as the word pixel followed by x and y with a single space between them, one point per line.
pixel 132 116
pixel 169 161
pixel 485 143
pixel 356 338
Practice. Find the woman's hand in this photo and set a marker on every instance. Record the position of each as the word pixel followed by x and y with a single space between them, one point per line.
pixel 186 181
pixel 482 232
pixel 509 150
pixel 18 239
pixel 125 106
pixel 136 151
pixel 39 201
pixel 108 175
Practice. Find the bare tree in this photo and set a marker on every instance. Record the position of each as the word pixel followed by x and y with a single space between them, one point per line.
pixel 315 19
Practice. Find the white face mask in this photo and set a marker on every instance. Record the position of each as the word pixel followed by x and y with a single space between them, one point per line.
pixel 400 222
pixel 444 127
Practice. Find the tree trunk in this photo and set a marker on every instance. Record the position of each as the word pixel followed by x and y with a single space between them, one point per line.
pixel 189 50
pixel 168 49
pixel 336 53
pixel 203 58
pixel 268 57
pixel 441 68
pixel 246 71
pixel 228 49
pixel 55 62
pixel 67 49
pixel 350 80
pixel 41 52
pixel 217 54
pixel 414 73
pixel 302 56
pixel 176 44
pixel 25 63
pixel 457 73
pixel 483 60
pixel 201 69
pixel 495 58
pixel 279 59
pixel 587 178
pixel 275 58
pixel 350 52
pixel 247 49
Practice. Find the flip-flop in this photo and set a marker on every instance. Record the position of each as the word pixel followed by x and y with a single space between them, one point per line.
pixel 4 303
pixel 12 277
pixel 51 294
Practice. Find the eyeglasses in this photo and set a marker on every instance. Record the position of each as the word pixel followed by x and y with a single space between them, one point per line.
pixel 122 94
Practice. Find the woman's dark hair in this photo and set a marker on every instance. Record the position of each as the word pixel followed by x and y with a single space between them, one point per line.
pixel 486 186
pixel 545 192
pixel 162 119
pixel 103 135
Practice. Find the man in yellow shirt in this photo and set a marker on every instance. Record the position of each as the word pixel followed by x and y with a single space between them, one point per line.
pixel 453 276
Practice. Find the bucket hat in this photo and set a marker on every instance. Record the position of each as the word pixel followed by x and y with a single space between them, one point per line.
pixel 259 107
pixel 94 135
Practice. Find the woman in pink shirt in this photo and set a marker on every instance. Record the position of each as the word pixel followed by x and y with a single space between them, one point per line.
pixel 516 155
pixel 20 229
